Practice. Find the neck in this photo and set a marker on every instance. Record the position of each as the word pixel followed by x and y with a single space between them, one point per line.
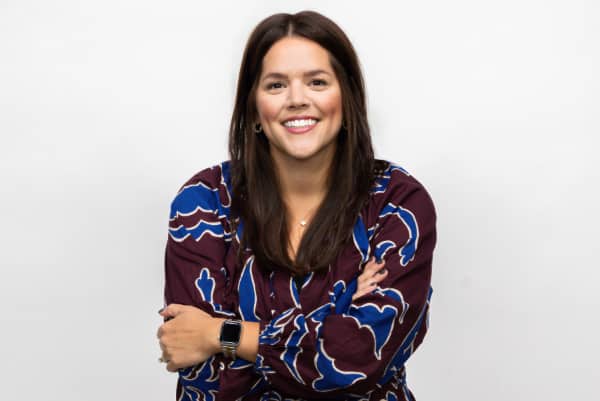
pixel 303 185
pixel 303 182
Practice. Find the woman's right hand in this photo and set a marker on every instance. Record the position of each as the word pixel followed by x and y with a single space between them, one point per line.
pixel 372 275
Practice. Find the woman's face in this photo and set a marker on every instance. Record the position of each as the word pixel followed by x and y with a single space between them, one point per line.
pixel 299 102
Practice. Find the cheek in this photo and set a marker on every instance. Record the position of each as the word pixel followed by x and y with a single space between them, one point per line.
pixel 332 105
pixel 267 109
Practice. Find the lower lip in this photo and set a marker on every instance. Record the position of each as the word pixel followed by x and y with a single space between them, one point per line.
pixel 299 130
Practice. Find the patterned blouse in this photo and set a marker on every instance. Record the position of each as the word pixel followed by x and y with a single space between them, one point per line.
pixel 315 342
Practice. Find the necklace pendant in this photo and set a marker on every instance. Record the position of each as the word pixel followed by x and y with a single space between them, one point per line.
pixel 303 223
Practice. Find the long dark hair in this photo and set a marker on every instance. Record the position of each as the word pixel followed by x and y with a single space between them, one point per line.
pixel 255 193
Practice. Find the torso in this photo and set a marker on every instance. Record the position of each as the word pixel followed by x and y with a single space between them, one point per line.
pixel 268 295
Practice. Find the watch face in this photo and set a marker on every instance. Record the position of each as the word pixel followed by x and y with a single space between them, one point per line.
pixel 230 332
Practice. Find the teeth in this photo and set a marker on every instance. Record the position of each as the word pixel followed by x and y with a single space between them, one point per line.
pixel 300 123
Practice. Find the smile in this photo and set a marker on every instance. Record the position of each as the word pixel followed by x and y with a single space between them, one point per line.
pixel 300 126
pixel 300 123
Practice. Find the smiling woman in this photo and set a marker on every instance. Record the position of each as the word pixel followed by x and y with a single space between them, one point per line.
pixel 301 267
pixel 299 101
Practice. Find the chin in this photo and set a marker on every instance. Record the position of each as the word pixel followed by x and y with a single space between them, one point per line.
pixel 309 155
pixel 301 156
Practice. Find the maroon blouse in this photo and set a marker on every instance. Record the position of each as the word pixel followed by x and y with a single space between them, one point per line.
pixel 315 342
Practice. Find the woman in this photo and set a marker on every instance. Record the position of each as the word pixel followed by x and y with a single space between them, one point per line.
pixel 275 285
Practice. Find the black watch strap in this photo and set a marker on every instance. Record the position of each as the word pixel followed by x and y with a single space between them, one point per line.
pixel 231 331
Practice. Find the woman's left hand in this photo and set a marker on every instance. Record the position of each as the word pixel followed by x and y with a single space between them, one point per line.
pixel 190 337
pixel 373 273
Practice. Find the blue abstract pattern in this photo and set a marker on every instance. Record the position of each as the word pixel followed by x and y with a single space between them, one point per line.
pixel 407 251
pixel 292 347
pixel 331 377
pixel 206 287
pixel 198 231
pixel 299 343
pixel 200 382
pixel 247 291
pixel 379 320
pixel 192 198
pixel 361 240
pixel 406 348
pixel 382 182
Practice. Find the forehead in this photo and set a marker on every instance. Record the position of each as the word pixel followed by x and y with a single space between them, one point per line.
pixel 295 55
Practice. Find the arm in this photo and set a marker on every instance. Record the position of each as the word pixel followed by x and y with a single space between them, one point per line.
pixel 353 347
pixel 248 348
pixel 193 337
pixel 196 275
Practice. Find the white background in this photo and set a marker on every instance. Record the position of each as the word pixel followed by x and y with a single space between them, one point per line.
pixel 107 107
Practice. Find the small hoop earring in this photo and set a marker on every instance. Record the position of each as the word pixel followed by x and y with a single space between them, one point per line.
pixel 257 128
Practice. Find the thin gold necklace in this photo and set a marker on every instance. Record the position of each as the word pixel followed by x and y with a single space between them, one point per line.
pixel 305 220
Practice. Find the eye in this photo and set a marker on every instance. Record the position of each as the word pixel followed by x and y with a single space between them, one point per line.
pixel 274 85
pixel 318 82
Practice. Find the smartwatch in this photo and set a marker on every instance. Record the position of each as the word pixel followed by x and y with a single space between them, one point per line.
pixel 231 331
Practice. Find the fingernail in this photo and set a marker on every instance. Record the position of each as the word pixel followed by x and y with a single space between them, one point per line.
pixel 161 309
pixel 382 271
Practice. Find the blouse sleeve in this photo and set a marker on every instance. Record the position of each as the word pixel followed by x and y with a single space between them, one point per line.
pixel 351 347
pixel 195 272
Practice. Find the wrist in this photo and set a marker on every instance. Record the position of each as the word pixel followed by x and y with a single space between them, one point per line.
pixel 230 337
pixel 216 334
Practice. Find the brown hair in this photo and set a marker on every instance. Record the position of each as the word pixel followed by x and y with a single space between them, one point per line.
pixel 255 193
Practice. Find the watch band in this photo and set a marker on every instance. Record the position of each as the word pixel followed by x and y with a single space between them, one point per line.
pixel 229 338
pixel 228 351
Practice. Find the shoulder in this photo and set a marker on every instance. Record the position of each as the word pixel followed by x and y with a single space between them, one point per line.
pixel 211 177
pixel 395 187
pixel 207 191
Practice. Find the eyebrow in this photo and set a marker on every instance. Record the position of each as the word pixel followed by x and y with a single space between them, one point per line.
pixel 279 75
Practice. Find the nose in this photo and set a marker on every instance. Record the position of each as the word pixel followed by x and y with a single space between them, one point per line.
pixel 297 96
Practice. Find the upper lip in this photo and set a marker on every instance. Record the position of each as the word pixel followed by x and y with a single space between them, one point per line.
pixel 299 118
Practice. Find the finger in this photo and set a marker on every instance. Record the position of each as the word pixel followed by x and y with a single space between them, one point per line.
pixel 369 269
pixel 364 265
pixel 369 274
pixel 365 290
pixel 376 265
pixel 380 275
pixel 370 263
pixel 172 310
pixel 365 279
pixel 366 287
pixel 358 294
pixel 169 310
pixel 372 282
pixel 172 366
pixel 373 267
pixel 162 330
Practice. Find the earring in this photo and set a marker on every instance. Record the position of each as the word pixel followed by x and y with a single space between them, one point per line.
pixel 344 125
pixel 257 128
